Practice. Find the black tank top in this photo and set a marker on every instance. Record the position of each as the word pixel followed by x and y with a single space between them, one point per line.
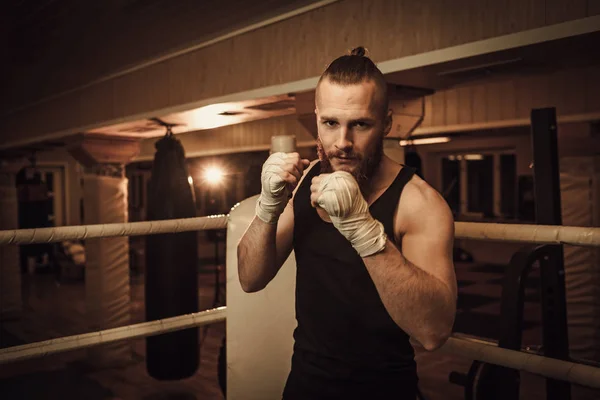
pixel 344 331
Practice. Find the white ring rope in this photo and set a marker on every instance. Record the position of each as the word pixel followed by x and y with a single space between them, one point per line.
pixel 76 342
pixel 541 234
pixel 580 374
pixel 79 232
pixel 519 233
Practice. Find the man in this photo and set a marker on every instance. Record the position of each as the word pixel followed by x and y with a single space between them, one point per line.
pixel 373 246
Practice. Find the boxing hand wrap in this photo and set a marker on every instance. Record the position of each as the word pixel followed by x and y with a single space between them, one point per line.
pixel 341 198
pixel 274 192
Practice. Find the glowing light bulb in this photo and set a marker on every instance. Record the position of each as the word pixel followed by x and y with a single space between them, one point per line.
pixel 214 175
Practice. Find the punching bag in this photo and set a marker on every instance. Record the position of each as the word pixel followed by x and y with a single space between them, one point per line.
pixel 171 265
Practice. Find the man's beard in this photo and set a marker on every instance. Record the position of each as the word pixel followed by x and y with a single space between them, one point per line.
pixel 366 166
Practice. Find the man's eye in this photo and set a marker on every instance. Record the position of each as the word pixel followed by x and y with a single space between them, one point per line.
pixel 330 123
pixel 361 125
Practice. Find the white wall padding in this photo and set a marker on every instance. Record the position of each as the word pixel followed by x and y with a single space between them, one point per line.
pixel 10 273
pixel 579 180
pixel 107 266
pixel 259 325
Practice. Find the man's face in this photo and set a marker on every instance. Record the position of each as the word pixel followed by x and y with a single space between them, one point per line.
pixel 351 124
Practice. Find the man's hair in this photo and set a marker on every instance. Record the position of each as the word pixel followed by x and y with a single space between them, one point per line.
pixel 354 68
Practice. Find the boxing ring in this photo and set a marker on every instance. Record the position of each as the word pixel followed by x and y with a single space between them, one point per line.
pixel 576 373
pixel 260 325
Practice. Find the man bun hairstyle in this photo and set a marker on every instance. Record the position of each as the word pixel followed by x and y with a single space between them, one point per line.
pixel 354 68
pixel 358 51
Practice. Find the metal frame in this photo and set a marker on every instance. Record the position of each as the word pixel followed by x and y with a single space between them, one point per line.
pixel 502 382
pixel 552 272
pixel 511 311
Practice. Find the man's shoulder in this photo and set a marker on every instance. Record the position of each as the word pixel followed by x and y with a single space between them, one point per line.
pixel 418 195
pixel 420 201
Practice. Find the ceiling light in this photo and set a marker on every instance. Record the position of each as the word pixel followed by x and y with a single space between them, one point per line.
pixel 214 175
pixel 214 115
pixel 432 140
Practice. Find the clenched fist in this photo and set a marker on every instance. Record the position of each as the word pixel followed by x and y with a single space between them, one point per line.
pixel 280 175
pixel 340 196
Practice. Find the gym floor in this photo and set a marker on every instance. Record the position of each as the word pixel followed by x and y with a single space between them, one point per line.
pixel 54 310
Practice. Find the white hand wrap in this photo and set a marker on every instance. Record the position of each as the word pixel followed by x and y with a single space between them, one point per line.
pixel 274 193
pixel 349 212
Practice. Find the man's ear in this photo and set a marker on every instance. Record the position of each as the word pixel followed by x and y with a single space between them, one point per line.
pixel 388 122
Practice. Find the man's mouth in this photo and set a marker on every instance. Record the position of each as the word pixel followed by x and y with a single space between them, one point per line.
pixel 345 160
pixel 344 157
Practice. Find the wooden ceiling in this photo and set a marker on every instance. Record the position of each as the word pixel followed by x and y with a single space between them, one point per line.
pixel 60 44
pixel 572 52
pixel 57 45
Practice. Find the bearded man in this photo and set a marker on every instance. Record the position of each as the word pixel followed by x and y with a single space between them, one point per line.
pixel 373 245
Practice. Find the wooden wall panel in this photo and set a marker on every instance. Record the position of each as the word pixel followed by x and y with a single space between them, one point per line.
pixel 507 103
pixel 451 100
pixel 492 101
pixel 593 7
pixel 592 89
pixel 538 85
pixel 465 105
pixel 573 93
pixel 98 104
pixel 570 91
pixel 479 96
pixel 556 85
pixel 89 40
pixel 291 50
pixel 558 11
pixel 438 114
pixel 523 96
pixel 428 117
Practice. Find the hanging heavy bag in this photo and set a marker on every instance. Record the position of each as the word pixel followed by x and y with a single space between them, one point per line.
pixel 171 265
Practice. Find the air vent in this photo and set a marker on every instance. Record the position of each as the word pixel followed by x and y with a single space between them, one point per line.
pixel 276 106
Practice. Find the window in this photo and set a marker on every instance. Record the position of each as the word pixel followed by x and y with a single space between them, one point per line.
pixel 480 185
pixel 43 189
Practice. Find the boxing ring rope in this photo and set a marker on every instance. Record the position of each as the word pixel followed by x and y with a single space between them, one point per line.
pixel 141 330
pixel 547 367
pixel 541 234
pixel 516 233
pixel 81 232
pixel 579 374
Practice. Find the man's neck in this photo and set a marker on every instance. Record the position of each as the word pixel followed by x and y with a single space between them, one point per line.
pixel 381 179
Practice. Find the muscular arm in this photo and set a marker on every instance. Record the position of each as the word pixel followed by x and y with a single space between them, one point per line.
pixel 418 285
pixel 263 249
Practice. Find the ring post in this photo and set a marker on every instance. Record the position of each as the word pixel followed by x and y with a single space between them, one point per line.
pixel 552 270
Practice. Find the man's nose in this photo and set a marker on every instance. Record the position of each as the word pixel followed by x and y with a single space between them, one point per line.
pixel 344 140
